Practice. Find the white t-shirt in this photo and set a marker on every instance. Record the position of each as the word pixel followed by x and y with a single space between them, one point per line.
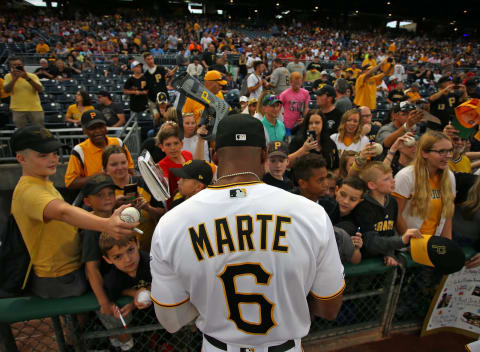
pixel 404 186
pixel 190 143
pixel 227 244
pixel 356 147
pixel 252 81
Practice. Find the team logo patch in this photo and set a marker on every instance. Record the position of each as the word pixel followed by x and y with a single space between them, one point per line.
pixel 238 193
pixel 440 249
pixel 241 137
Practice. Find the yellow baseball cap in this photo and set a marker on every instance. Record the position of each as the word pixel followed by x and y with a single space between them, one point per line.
pixel 215 76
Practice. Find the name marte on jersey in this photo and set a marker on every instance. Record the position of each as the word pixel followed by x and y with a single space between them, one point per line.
pixel 242 238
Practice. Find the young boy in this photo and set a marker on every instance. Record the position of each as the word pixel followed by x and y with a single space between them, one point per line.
pixel 47 223
pixel 168 139
pixel 130 273
pixel 311 174
pixel 276 165
pixel 378 213
pixel 99 192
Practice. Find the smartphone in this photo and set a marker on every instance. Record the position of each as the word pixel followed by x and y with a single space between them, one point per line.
pixel 19 67
pixel 312 134
pixel 130 192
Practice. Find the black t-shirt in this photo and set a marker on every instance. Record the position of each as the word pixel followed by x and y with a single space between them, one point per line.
pixel 286 184
pixel 444 109
pixel 65 73
pixel 138 103
pixel 156 82
pixel 110 112
pixel 319 83
pixel 209 58
pixel 332 120
pixel 39 72
pixel 91 250
pixel 116 281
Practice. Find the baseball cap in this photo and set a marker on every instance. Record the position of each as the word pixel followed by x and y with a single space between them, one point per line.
pixel 240 130
pixel 198 170
pixel 34 137
pixel 324 73
pixel 278 148
pixel 467 116
pixel 403 106
pixel 252 101
pixel 243 99
pixel 92 117
pixel 328 90
pixel 270 99
pixel 439 252
pixel 215 76
pixel 162 98
pixel 135 63
pixel 96 183
pixel 104 93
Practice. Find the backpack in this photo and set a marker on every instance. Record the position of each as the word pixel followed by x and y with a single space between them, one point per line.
pixel 14 260
pixel 244 86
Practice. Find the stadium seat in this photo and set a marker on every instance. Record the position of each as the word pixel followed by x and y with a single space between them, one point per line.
pixel 54 117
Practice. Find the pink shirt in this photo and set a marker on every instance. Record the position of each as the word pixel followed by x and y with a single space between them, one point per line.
pixel 293 105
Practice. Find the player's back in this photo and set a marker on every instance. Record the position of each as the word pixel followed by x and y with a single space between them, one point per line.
pixel 247 255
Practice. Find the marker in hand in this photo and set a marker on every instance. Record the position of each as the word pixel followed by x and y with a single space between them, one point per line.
pixel 131 215
pixel 121 317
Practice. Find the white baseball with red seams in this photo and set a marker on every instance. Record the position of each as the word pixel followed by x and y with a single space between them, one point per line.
pixel 144 297
pixel 130 215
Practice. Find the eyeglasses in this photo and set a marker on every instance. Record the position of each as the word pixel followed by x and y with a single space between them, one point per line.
pixel 442 152
pixel 272 98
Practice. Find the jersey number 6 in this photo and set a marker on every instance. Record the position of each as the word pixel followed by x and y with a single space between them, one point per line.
pixel 234 298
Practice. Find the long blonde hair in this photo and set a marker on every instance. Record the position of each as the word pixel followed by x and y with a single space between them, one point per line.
pixel 422 192
pixel 341 128
pixel 472 204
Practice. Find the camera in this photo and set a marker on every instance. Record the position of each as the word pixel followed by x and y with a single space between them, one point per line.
pixel 312 134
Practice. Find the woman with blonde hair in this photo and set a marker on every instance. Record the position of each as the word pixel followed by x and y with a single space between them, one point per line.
pixel 425 190
pixel 349 136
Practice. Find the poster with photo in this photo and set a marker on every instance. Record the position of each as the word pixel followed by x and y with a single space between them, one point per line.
pixel 456 306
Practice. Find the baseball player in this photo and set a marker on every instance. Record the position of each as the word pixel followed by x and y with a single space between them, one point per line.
pixel 250 271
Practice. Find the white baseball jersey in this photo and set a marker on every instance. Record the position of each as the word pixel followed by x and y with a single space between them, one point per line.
pixel 246 255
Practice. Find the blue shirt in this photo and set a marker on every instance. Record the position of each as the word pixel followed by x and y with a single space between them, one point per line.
pixel 275 132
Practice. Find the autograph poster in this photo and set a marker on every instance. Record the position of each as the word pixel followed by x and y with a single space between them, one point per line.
pixel 456 306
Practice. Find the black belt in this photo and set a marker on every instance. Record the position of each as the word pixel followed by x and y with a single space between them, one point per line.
pixel 223 346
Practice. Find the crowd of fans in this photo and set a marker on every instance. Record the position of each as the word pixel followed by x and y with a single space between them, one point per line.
pixel 358 122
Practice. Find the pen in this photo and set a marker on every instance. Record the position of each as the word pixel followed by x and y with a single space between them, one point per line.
pixel 358 229
pixel 121 317
pixel 140 232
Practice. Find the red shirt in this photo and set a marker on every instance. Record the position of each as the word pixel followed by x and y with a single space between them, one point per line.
pixel 166 164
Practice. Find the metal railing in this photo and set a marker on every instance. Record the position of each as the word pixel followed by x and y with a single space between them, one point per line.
pixel 377 298
pixel 70 137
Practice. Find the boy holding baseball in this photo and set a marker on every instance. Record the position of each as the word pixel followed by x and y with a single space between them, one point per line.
pixel 130 274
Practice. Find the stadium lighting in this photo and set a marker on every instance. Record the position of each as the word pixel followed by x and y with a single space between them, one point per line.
pixel 465 11
pixel 389 15
pixel 278 4
pixel 256 10
pixel 316 7
pixel 388 3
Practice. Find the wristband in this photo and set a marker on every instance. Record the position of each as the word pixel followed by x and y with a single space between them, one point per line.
pixel 405 127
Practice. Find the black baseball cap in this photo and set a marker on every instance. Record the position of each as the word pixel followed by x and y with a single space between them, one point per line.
pixel 104 93
pixel 328 90
pixel 96 183
pixel 404 106
pixel 439 252
pixel 198 170
pixel 277 148
pixel 36 138
pixel 240 130
pixel 92 117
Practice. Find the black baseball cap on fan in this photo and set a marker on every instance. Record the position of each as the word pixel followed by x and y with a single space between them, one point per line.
pixel 93 117
pixel 198 170
pixel 36 138
pixel 240 130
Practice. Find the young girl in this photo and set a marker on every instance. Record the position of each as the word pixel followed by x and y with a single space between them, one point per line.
pixel 425 190
pixel 191 139
pixel 82 103
pixel 349 136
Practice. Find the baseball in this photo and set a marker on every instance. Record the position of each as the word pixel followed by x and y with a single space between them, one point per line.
pixel 378 148
pixel 144 297
pixel 130 215
pixel 409 141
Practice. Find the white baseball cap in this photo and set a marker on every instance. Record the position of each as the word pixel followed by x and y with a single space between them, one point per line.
pixel 135 63
pixel 243 99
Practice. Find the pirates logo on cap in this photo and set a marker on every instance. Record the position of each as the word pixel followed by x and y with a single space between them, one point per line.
pixel 93 114
pixel 240 137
